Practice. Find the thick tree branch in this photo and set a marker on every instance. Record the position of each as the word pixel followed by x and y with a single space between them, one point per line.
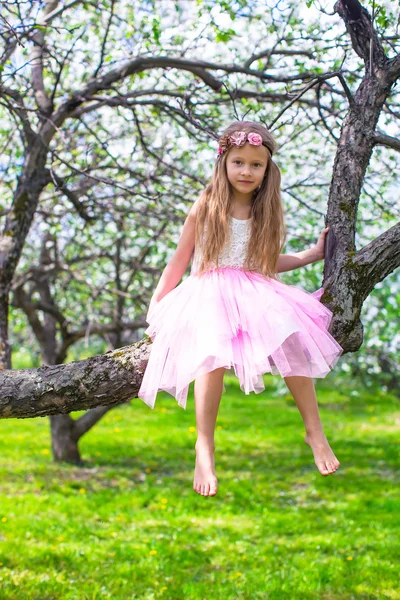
pixel 349 276
pixel 85 384
pixel 363 36
pixel 386 140
pixel 394 68
pixel 378 259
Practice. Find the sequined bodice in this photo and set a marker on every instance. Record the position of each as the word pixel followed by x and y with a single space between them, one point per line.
pixel 234 251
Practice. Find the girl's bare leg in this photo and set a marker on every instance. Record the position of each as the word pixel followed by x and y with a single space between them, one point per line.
pixel 303 392
pixel 207 396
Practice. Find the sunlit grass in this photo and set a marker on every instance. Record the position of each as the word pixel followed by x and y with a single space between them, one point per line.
pixel 128 525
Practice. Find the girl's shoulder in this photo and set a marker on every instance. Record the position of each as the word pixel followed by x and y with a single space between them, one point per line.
pixel 194 208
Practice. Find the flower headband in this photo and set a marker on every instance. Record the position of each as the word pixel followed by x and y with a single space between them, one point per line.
pixel 238 138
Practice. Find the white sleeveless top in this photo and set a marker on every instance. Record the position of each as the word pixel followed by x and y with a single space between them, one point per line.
pixel 233 253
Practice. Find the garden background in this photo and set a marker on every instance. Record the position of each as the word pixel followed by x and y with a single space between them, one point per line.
pixel 109 117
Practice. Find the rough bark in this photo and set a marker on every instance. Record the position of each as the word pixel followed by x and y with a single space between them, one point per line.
pixel 64 446
pixel 30 185
pixel 103 380
pixel 350 275
pixel 66 433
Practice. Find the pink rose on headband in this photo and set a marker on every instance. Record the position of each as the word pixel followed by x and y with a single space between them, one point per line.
pixel 254 139
pixel 238 138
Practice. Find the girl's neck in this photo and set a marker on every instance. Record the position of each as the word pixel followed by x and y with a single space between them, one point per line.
pixel 241 205
pixel 240 198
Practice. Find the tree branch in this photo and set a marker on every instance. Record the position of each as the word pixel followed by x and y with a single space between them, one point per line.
pixel 47 18
pixel 22 300
pixel 71 195
pixel 61 389
pixel 386 140
pixel 43 101
pixel 142 63
pixel 20 111
pixel 103 45
pixel 362 33
pixel 379 258
pixel 84 423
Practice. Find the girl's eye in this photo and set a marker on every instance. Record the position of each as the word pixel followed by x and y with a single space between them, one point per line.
pixel 239 162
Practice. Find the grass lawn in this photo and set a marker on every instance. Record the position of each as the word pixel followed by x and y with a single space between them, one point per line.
pixel 128 525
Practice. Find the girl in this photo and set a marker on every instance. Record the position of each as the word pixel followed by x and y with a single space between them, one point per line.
pixel 233 311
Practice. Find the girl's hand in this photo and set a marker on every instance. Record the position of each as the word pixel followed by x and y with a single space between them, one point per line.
pixel 319 248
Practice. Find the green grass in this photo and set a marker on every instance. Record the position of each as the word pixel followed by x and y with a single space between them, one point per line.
pixel 128 524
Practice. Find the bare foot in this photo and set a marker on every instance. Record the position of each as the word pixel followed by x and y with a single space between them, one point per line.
pixel 324 457
pixel 205 481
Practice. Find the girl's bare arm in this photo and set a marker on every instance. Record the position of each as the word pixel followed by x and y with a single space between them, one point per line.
pixel 179 262
pixel 288 262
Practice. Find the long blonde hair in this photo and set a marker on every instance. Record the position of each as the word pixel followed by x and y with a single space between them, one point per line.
pixel 268 229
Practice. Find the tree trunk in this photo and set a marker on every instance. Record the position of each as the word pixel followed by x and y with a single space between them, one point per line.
pixel 64 446
pixel 65 431
pixel 5 350
pixel 18 223
pixel 349 276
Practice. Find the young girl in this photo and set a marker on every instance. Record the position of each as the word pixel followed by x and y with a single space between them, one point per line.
pixel 233 311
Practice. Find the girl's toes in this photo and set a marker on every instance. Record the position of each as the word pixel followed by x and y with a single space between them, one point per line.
pixel 207 489
pixel 324 469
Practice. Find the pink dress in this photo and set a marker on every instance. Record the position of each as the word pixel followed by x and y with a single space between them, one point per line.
pixel 234 318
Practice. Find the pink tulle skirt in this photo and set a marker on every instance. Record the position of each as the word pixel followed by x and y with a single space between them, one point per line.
pixel 230 317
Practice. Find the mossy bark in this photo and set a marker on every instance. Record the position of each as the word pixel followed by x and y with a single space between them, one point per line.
pixel 351 274
pixel 103 380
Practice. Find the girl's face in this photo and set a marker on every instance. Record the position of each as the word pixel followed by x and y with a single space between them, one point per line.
pixel 246 166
